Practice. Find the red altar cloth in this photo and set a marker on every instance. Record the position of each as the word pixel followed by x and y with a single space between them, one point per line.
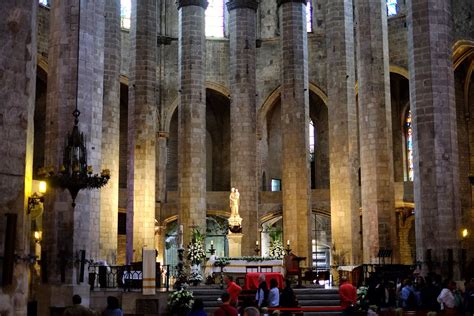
pixel 251 280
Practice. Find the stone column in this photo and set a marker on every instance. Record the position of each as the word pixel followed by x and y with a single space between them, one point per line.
pixel 296 193
pixel 17 91
pixel 75 77
pixel 343 142
pixel 192 115
pixel 375 123
pixel 242 31
pixel 110 132
pixel 435 144
pixel 142 122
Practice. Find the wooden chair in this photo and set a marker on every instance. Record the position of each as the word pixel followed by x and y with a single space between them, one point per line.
pixel 292 266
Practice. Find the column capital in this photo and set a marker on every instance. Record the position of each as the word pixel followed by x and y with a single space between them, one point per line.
pixel 242 4
pixel 200 3
pixel 280 2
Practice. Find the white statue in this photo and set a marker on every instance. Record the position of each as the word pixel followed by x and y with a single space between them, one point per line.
pixel 234 199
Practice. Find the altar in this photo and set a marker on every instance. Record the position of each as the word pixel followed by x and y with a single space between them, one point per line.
pixel 242 266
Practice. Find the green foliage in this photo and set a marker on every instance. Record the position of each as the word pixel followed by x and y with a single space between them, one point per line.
pixel 246 258
pixel 180 302
pixel 275 233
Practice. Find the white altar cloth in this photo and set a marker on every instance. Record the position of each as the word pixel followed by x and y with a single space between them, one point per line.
pixel 240 266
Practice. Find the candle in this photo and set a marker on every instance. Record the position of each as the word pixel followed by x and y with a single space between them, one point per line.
pixel 288 242
pixel 212 242
pixel 256 243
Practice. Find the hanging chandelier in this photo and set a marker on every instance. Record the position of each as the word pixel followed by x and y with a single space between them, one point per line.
pixel 74 173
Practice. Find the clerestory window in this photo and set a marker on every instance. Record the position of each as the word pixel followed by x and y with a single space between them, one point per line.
pixel 125 13
pixel 309 16
pixel 215 18
pixel 392 7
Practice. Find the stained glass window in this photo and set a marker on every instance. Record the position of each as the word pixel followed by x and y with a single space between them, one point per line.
pixel 309 16
pixel 392 8
pixel 409 145
pixel 215 18
pixel 44 2
pixel 125 12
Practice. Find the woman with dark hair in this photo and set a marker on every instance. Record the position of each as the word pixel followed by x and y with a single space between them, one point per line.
pixel 288 298
pixel 198 308
pixel 274 294
pixel 112 308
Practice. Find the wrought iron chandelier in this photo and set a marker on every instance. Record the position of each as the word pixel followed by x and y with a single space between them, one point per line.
pixel 75 174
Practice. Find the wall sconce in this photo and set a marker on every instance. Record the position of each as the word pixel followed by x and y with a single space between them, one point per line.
pixel 35 199
pixel 38 235
pixel 464 233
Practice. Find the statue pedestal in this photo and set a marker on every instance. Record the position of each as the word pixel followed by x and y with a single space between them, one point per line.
pixel 235 244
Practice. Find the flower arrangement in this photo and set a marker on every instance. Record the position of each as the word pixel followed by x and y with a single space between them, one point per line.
pixel 180 302
pixel 276 249
pixel 195 275
pixel 195 249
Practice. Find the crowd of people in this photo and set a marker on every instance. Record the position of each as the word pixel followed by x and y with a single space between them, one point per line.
pixel 77 309
pixel 430 294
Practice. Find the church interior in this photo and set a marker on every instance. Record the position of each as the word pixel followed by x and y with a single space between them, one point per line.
pixel 343 124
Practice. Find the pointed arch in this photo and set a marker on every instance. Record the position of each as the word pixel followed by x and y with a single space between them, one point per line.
pixel 174 105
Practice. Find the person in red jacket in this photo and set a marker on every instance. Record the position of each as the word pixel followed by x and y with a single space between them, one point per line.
pixel 348 295
pixel 233 289
pixel 226 309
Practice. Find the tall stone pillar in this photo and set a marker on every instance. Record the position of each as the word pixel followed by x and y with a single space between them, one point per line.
pixel 242 31
pixel 294 122
pixel 142 122
pixel 75 78
pixel 435 144
pixel 375 124
pixel 343 142
pixel 192 115
pixel 110 132
pixel 17 91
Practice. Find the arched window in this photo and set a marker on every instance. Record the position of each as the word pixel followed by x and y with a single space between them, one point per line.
pixel 312 139
pixel 312 153
pixel 309 16
pixel 408 129
pixel 44 2
pixel 215 18
pixel 392 7
pixel 125 12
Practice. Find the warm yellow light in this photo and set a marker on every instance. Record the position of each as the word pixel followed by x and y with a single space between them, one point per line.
pixel 464 233
pixel 37 235
pixel 42 187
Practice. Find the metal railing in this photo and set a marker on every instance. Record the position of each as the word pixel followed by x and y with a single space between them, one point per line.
pixel 127 277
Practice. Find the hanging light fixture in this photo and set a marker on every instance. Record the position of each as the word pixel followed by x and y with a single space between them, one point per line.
pixel 75 174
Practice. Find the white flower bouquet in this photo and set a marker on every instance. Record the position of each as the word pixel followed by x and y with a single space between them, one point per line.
pixel 196 252
pixel 276 249
pixel 180 302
